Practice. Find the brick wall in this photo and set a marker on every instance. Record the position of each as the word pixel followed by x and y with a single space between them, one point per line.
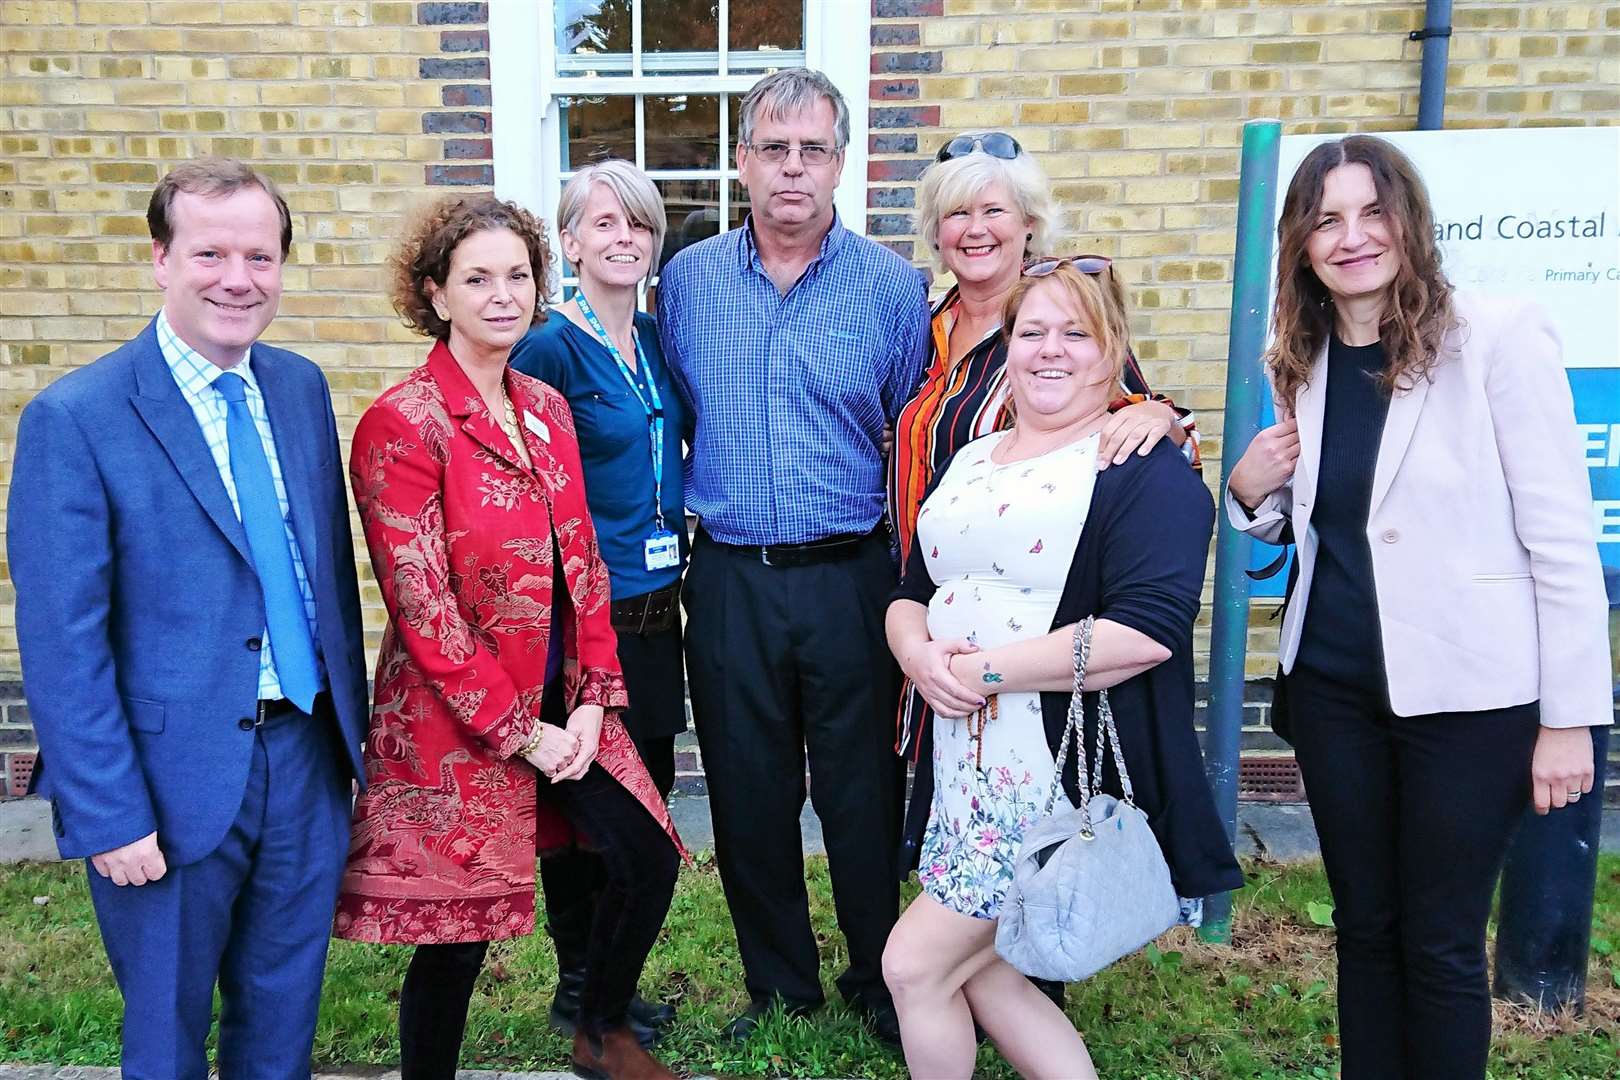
pixel 358 110
pixel 1136 107
pixel 362 109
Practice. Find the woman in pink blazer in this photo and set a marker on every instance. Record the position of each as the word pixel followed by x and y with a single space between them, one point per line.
pixel 1445 644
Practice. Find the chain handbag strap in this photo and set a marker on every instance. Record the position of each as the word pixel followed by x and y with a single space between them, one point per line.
pixel 1089 774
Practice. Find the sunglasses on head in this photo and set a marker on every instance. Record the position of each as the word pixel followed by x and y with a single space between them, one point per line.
pixel 1086 264
pixel 998 144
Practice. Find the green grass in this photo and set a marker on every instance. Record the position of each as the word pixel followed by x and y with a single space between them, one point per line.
pixel 1260 1009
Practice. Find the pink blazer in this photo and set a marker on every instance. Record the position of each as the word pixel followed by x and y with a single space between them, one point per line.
pixel 1485 562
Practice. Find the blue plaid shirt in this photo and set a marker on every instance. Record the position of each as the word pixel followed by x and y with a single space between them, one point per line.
pixel 195 375
pixel 790 394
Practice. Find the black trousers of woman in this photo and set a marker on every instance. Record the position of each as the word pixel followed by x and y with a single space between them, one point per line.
pixel 1414 815
pixel 639 865
pixel 573 880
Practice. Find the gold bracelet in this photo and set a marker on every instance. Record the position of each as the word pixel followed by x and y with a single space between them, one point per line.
pixel 533 743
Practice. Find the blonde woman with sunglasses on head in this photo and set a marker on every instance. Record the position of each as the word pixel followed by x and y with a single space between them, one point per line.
pixel 983 208
pixel 1020 538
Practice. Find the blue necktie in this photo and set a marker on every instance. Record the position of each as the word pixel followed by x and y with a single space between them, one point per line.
pixel 291 649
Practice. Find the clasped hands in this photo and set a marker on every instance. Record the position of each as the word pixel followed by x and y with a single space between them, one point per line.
pixel 935 669
pixel 566 753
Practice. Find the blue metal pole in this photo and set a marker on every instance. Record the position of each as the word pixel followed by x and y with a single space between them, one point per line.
pixel 1436 39
pixel 1245 385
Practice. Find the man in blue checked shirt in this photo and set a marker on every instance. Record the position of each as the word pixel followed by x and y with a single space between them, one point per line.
pixel 189 622
pixel 795 342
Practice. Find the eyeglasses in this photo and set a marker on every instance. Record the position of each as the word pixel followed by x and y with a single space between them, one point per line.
pixel 812 154
pixel 1086 264
pixel 998 144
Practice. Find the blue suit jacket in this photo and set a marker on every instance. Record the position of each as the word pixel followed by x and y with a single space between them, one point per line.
pixel 138 608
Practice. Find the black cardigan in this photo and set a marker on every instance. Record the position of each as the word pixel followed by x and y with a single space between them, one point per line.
pixel 1139 562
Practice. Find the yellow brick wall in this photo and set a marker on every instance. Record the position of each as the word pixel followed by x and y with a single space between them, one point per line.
pixel 1134 106
pixel 357 110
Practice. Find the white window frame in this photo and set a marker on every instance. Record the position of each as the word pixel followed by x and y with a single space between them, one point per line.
pixel 525 84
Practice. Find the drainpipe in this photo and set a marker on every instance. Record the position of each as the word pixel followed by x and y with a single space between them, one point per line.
pixel 1436 39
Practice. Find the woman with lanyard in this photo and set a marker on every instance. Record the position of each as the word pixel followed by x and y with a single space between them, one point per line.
pixel 604 357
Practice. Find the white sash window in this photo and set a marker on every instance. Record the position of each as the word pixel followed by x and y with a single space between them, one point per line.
pixel 659 82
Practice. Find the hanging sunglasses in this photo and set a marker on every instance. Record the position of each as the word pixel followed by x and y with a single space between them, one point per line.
pixel 1086 264
pixel 998 144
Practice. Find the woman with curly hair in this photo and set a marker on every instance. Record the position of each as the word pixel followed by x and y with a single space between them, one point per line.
pixel 1445 644
pixel 495 729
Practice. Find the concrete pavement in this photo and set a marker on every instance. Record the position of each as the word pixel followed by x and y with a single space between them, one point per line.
pixel 1281 831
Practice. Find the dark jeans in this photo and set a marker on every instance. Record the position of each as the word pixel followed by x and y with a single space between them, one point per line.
pixel 785 662
pixel 640 866
pixel 1414 815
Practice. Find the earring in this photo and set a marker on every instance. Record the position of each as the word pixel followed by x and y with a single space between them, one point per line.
pixel 1028 237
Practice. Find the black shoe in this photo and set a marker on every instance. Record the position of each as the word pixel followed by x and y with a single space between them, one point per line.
pixel 565 1006
pixel 743 1027
pixel 658 1017
pixel 880 1016
pixel 564 1016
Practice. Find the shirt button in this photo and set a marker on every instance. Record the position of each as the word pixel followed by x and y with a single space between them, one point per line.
pixel 1390 536
pixel 246 723
pixel 253 644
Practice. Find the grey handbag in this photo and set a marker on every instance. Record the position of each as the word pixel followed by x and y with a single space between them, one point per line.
pixel 1090 885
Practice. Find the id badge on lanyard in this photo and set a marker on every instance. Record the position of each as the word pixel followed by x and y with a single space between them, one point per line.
pixel 661 550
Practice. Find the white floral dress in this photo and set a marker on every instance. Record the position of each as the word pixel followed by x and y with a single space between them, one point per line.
pixel 998 540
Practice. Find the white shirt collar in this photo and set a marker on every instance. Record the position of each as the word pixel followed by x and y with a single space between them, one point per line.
pixel 190 367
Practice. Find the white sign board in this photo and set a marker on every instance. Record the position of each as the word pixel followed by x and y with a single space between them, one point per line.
pixel 1533 212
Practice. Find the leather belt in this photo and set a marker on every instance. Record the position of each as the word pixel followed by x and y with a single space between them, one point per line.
pixel 649 613
pixel 273 709
pixel 828 549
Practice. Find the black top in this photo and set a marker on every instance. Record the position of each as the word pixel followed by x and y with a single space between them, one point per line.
pixel 1139 562
pixel 1341 638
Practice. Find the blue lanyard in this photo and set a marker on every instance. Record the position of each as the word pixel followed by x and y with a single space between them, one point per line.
pixel 650 402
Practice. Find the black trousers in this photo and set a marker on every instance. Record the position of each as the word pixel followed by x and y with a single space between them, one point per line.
pixel 1414 815
pixel 785 661
pixel 641 864
pixel 573 881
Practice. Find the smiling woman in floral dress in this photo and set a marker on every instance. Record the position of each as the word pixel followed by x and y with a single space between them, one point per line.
pixel 1021 538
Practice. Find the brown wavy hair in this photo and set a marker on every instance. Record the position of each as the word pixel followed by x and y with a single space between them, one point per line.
pixel 432 237
pixel 1419 311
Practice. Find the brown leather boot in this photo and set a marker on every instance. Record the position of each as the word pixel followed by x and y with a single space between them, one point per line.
pixel 615 1056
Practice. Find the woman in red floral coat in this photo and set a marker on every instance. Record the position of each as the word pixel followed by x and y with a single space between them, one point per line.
pixel 495 726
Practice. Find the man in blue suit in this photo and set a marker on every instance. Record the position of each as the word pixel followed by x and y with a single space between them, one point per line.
pixel 191 642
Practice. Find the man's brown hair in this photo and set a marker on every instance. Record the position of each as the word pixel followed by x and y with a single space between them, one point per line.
pixel 211 177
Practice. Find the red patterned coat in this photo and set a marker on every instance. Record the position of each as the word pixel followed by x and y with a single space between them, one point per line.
pixel 461 534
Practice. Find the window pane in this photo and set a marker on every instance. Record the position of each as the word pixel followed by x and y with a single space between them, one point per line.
pixel 592 26
pixel 683 131
pixel 692 208
pixel 594 128
pixel 739 203
pixel 691 26
pixel 764 26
